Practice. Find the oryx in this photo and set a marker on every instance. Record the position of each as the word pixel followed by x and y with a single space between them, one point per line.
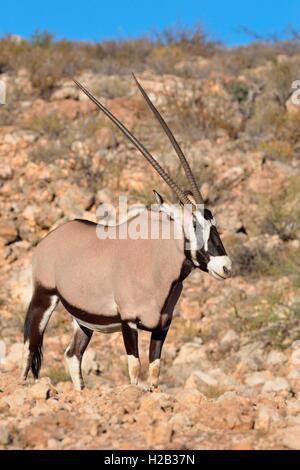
pixel 122 283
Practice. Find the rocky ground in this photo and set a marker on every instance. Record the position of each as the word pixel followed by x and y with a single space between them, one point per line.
pixel 231 363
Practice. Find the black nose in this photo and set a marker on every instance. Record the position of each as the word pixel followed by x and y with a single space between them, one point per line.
pixel 226 270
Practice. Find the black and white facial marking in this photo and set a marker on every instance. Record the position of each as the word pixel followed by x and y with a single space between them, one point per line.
pixel 206 248
pixel 203 243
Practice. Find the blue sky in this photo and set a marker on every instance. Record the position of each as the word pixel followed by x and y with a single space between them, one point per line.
pixel 95 20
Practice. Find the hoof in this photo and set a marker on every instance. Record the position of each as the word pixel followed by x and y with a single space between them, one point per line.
pixel 151 388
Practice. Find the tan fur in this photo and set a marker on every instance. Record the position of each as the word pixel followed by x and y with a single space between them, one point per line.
pixel 107 277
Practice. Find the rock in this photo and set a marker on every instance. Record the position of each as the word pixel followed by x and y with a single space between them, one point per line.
pixel 41 408
pixel 190 352
pixel 131 393
pixel 290 437
pixel 74 200
pixel 189 397
pixel 54 444
pixel 105 138
pixel 258 378
pixel 229 413
pixel 40 390
pixel 276 358
pixel 8 232
pixel 5 437
pixel 158 434
pixel 179 421
pixel 295 356
pixel 252 355
pixel 190 310
pixel 6 171
pixel 2 351
pixel 201 381
pixel 242 445
pixel 264 419
pixel 15 353
pixel 38 215
pixel 21 137
pixel 80 148
pixel 104 196
pixel 156 403
pixel 279 384
pixel 229 341
pixel 293 407
pixel 16 399
pixel 66 91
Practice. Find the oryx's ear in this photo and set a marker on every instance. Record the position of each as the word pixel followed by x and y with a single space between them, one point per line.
pixel 158 198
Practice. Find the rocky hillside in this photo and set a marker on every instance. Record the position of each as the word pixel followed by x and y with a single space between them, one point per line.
pixel 231 363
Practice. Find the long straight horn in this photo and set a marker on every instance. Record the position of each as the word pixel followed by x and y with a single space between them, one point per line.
pixel 164 175
pixel 187 169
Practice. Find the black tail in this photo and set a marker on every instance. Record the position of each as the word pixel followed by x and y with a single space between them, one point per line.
pixel 35 338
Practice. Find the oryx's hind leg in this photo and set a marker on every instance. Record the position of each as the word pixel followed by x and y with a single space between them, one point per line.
pixel 74 353
pixel 157 340
pixel 130 337
pixel 42 304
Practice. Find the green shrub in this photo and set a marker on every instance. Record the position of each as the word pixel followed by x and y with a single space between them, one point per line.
pixel 50 125
pixel 282 216
pixel 239 90
pixel 57 374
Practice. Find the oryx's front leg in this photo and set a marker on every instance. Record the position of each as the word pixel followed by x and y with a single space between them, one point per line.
pixel 157 340
pixel 130 337
pixel 74 353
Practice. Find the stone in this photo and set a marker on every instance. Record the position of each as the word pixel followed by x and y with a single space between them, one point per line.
pixel 66 91
pixel 6 171
pixel 179 421
pixel 104 196
pixel 190 397
pixel 15 353
pixel 159 433
pixel 5 437
pixel 290 437
pixel 264 418
pixel 229 341
pixel 41 408
pixel 190 352
pixel 74 200
pixel 16 399
pixel 2 351
pixel 279 384
pixel 105 138
pixel 252 355
pixel 258 378
pixel 41 389
pixel 242 445
pixel 276 358
pixel 156 404
pixel 230 413
pixel 8 231
pixel 200 380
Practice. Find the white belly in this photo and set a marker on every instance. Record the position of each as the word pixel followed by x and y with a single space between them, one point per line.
pixel 111 328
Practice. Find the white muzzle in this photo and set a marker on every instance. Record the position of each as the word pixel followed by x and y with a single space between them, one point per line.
pixel 219 267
